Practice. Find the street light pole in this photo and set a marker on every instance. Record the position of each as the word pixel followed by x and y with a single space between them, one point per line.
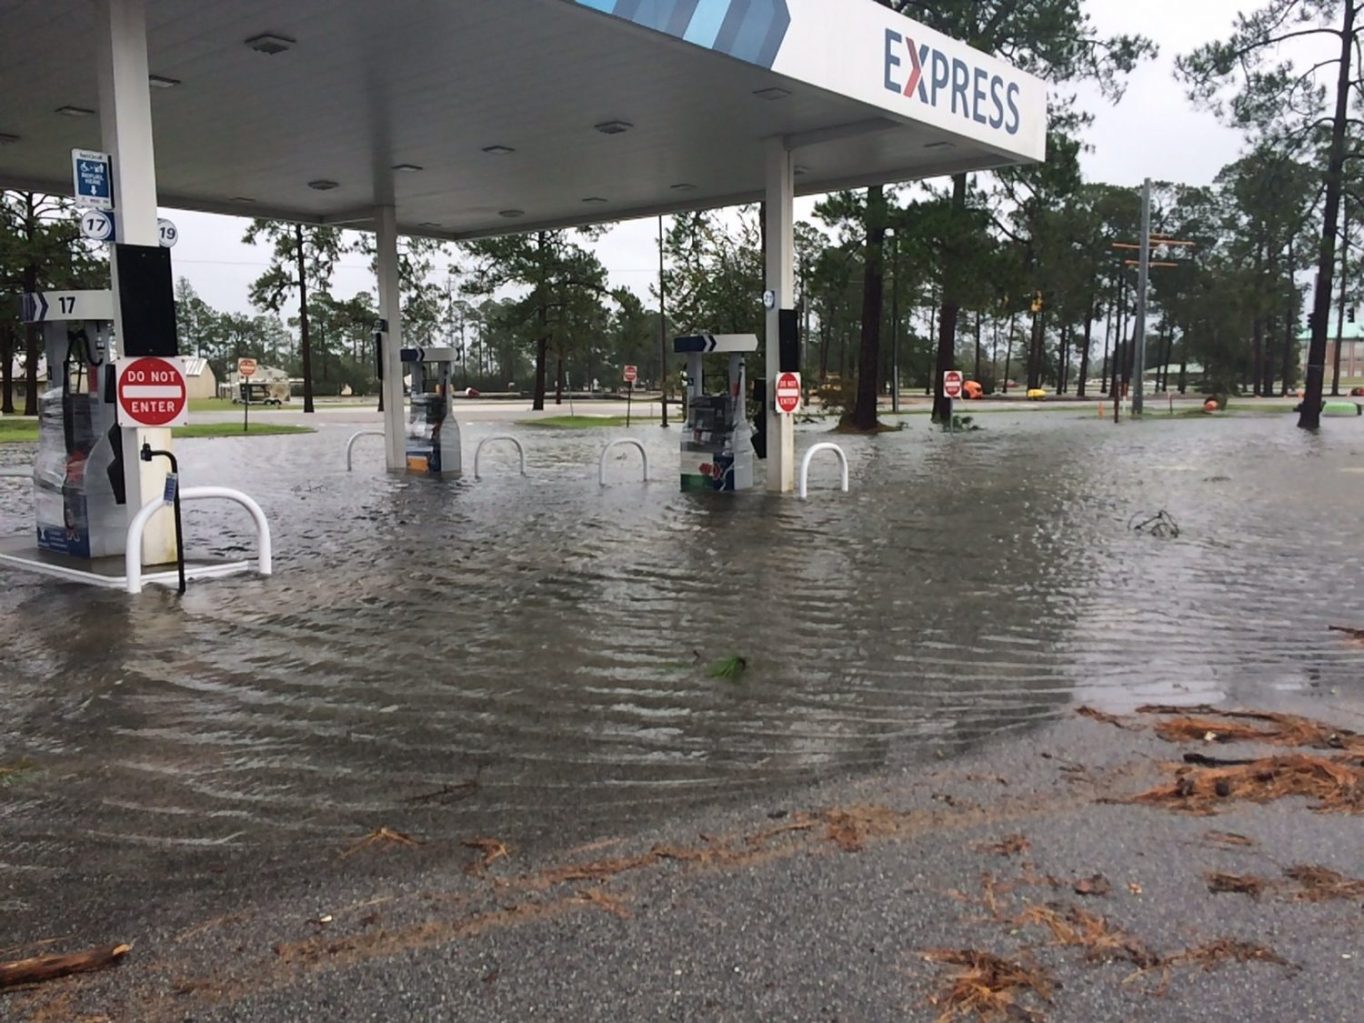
pixel 1143 279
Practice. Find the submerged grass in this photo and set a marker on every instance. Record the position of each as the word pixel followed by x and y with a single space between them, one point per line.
pixel 585 422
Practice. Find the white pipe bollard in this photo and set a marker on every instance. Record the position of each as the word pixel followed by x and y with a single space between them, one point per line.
pixel 805 465
pixel 133 555
pixel 499 436
pixel 350 444
pixel 601 464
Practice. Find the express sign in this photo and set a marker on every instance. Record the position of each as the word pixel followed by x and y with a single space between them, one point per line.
pixel 974 93
pixel 152 392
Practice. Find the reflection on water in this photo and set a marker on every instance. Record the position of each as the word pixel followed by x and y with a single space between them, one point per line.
pixel 548 639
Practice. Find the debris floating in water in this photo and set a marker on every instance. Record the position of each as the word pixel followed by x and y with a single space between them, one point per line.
pixel 729 669
pixel 1161 524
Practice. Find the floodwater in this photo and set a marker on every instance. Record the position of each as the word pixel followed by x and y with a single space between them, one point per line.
pixel 528 657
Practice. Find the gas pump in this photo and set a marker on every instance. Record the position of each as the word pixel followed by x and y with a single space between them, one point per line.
pixel 433 446
pixel 717 447
pixel 78 482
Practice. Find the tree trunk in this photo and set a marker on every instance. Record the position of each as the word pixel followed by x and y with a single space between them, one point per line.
pixel 1167 328
pixel 1063 373
pixel 32 345
pixel 1184 363
pixel 542 342
pixel 1267 363
pixel 873 284
pixel 951 303
pixel 1340 313
pixel 7 366
pixel 1009 349
pixel 1290 318
pixel 978 319
pixel 1257 355
pixel 1310 416
pixel 304 340
pixel 558 378
pixel 1034 368
pixel 1108 339
pixel 1084 353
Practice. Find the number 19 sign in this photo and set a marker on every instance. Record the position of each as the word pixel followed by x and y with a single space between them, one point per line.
pixel 151 392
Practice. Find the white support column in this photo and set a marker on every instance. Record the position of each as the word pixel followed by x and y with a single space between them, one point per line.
pixel 780 256
pixel 391 310
pixel 125 116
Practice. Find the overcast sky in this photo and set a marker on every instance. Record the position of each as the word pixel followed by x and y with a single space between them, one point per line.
pixel 1153 132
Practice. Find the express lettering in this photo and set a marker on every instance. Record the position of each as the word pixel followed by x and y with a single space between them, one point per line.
pixel 975 93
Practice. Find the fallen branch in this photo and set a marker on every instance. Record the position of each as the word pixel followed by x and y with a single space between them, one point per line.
pixel 41 968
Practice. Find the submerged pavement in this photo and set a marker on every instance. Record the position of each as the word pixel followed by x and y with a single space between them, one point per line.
pixel 527 661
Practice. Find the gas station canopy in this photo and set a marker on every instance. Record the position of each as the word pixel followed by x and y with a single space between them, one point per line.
pixel 481 117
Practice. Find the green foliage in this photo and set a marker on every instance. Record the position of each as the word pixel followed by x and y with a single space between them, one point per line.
pixel 714 272
pixel 730 669
pixel 561 310
pixel 40 249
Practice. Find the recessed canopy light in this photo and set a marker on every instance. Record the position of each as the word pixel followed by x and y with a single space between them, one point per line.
pixel 939 145
pixel 162 82
pixel 498 150
pixel 70 111
pixel 242 198
pixel 6 139
pixel 594 199
pixel 407 167
pixel 774 92
pixel 511 214
pixel 270 44
pixel 799 170
pixel 613 127
pixel 322 185
pixel 429 224
pixel 683 186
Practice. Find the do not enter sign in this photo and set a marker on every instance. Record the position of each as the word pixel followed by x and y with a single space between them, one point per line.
pixel 631 374
pixel 151 392
pixel 951 384
pixel 788 393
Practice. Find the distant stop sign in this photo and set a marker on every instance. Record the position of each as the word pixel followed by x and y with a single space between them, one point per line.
pixel 788 392
pixel 951 383
pixel 151 392
pixel 631 374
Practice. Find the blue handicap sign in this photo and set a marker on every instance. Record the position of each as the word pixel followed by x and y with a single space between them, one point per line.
pixel 172 483
pixel 90 176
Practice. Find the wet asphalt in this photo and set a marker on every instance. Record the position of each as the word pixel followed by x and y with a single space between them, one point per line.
pixel 752 915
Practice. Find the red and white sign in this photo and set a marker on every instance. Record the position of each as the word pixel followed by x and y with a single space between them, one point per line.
pixel 951 384
pixel 152 392
pixel 631 374
pixel 788 392
pixel 246 367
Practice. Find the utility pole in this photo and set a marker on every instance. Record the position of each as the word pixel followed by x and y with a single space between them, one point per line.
pixel 662 330
pixel 895 321
pixel 1143 280
pixel 1344 278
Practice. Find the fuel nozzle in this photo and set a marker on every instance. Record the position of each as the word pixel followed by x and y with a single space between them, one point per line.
pixel 146 451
